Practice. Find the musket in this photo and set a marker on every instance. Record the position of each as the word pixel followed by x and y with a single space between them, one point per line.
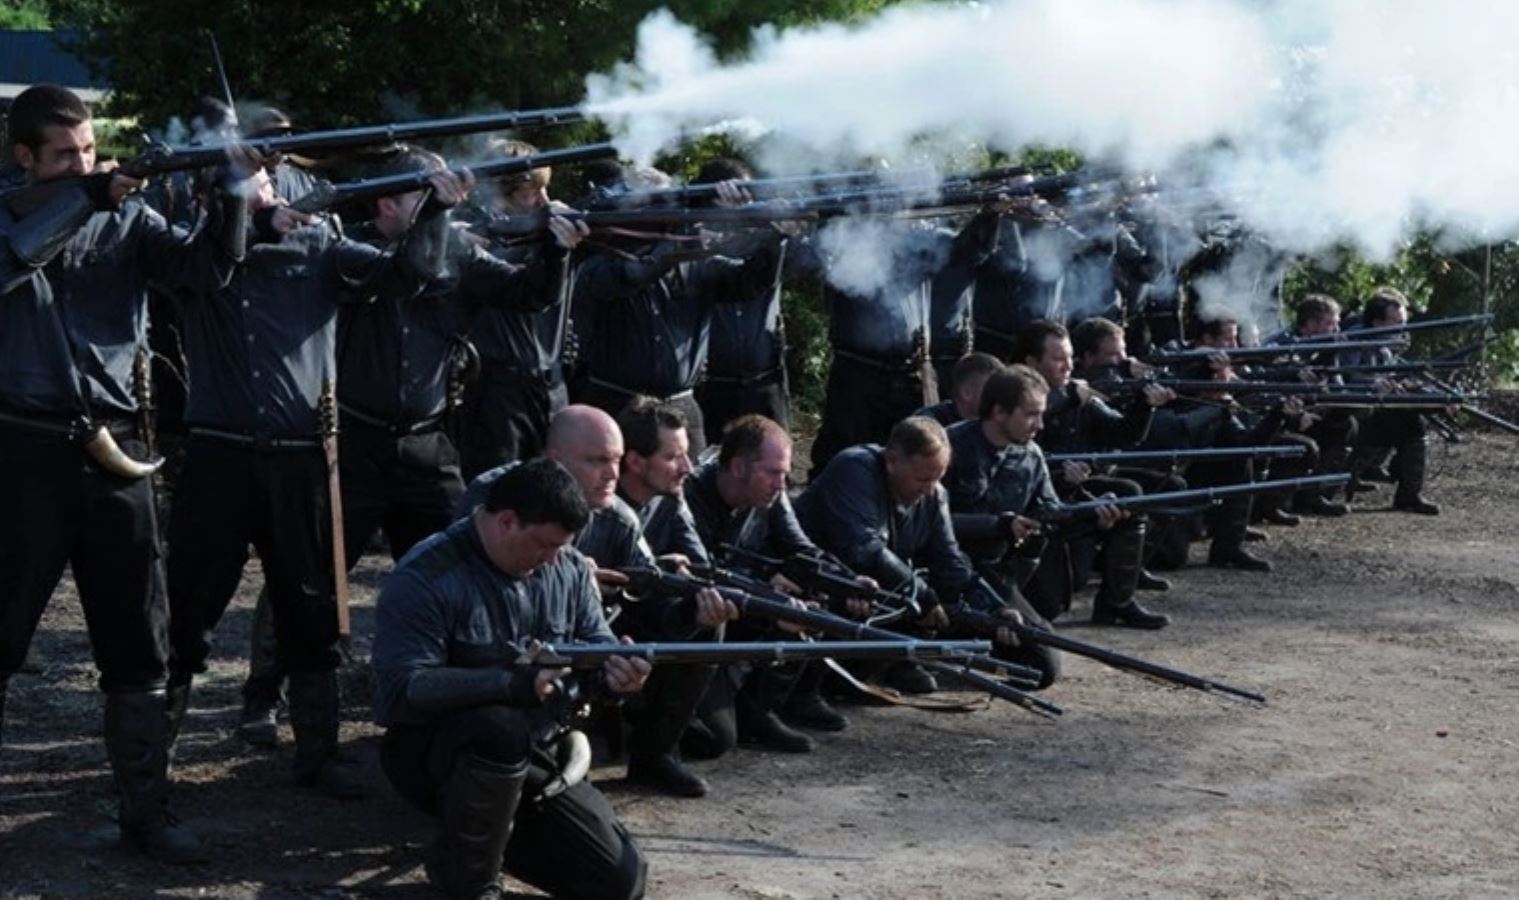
pixel 1068 512
pixel 1187 386
pixel 1268 351
pixel 761 601
pixel 1408 367
pixel 162 159
pixel 818 575
pixel 1406 328
pixel 801 187
pixel 327 195
pixel 752 215
pixel 594 656
pixel 1121 457
pixel 988 623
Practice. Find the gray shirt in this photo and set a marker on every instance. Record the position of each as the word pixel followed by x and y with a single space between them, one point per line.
pixel 447 605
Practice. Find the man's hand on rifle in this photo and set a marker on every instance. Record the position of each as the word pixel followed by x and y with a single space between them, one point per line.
pixel 859 607
pixel 1075 471
pixel 609 580
pixel 784 585
pixel 792 627
pixel 936 619
pixel 1005 634
pixel 567 232
pixel 1158 395
pixel 1023 528
pixel 450 188
pixel 545 681
pixel 625 674
pixel 732 193
pixel 1108 516
pixel 712 610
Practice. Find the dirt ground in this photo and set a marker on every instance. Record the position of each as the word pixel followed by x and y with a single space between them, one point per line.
pixel 1384 766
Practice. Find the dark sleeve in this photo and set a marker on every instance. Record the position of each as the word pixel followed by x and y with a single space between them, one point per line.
pixel 977 242
pixel 786 535
pixel 488 280
pixel 1044 499
pixel 1120 431
pixel 685 538
pixel 854 519
pixel 31 243
pixel 603 276
pixel 200 263
pixel 590 622
pixel 753 266
pixel 949 570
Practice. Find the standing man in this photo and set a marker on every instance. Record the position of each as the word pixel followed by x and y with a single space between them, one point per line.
pixel 73 316
pixel 462 711
pixel 746 359
pixel 521 382
pixel 262 356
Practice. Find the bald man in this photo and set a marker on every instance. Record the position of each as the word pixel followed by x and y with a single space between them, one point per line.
pixel 586 441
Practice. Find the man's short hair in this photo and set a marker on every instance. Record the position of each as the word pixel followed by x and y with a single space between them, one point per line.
pixel 540 492
pixel 41 106
pixel 724 169
pixel 642 422
pixel 745 435
pixel 1091 334
pixel 1032 337
pixel 1316 306
pixel 1009 389
pixel 918 436
pixel 972 366
pixel 508 148
pixel 1383 301
pixel 1214 328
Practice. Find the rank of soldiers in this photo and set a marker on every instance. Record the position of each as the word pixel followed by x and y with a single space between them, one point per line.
pixel 570 425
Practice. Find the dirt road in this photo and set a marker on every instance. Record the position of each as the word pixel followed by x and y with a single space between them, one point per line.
pixel 1385 765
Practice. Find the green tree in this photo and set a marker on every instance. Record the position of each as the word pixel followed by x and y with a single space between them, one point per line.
pixel 24 15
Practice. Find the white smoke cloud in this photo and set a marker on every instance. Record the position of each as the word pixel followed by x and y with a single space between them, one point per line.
pixel 1352 120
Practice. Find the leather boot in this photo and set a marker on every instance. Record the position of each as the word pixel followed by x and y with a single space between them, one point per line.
pixel 1149 581
pixel 1410 493
pixel 176 706
pixel 314 718
pixel 754 709
pixel 135 744
pixel 477 808
pixel 806 708
pixel 1228 549
pixel 667 703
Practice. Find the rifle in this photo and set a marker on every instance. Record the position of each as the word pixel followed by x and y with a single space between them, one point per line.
pixel 761 601
pixel 1243 388
pixel 162 159
pixel 1070 512
pixel 1410 367
pixel 1120 457
pixel 327 195
pixel 1406 328
pixel 1267 352
pixel 593 656
pixel 817 575
pixel 987 623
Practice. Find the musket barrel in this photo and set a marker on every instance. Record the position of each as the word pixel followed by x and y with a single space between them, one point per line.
pixel 1269 351
pixel 591 656
pixel 1141 456
pixel 1194 496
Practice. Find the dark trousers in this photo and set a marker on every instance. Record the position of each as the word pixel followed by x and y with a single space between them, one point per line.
pixel 60 509
pixel 406 486
pixel 229 496
pixel 614 400
pixel 723 399
pixel 570 845
pixel 864 402
pixel 505 418
pixel 1396 429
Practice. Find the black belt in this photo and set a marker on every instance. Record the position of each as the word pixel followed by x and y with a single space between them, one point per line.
pixel 396 429
pixel 768 376
pixel 255 441
pixel 895 366
pixel 499 371
pixel 634 392
pixel 75 429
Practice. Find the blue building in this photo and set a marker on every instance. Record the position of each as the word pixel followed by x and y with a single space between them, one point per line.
pixel 34 57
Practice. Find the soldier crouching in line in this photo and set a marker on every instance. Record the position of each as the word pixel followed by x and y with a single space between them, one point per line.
pixel 463 714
